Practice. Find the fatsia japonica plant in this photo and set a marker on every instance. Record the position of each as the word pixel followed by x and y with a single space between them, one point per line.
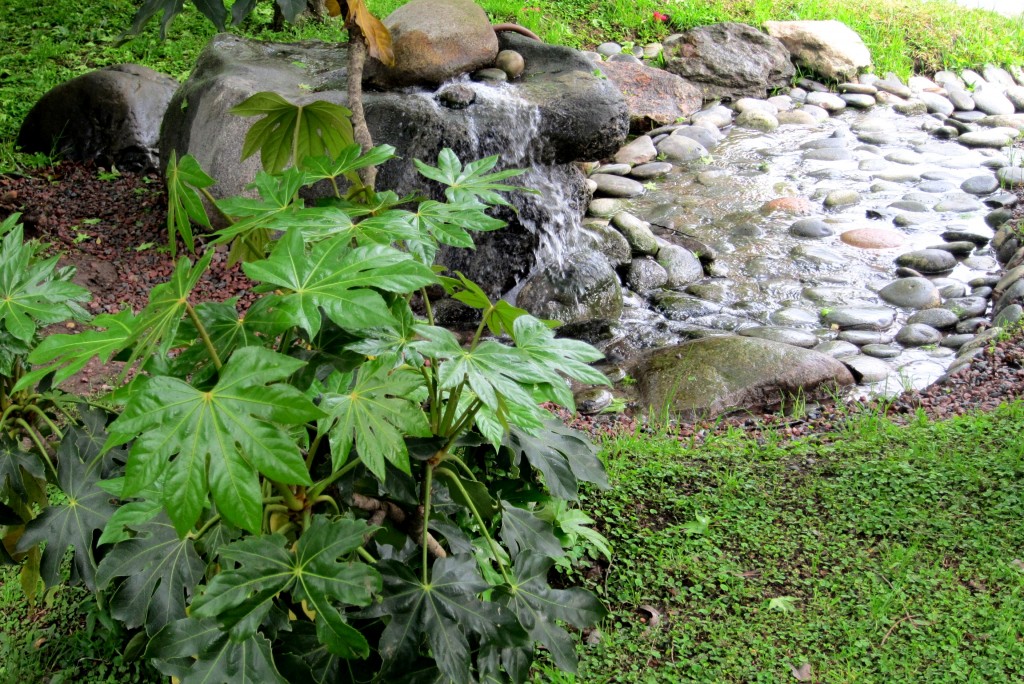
pixel 325 485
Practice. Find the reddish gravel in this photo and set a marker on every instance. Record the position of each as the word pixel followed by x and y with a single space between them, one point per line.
pixel 112 229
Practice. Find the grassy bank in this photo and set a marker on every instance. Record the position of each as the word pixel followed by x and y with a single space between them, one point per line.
pixel 882 554
pixel 46 44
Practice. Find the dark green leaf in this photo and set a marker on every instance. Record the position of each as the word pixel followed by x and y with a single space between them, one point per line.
pixel 225 434
pixel 70 353
pixel 564 455
pixel 17 464
pixel 74 523
pixel 151 8
pixel 443 612
pixel 521 530
pixel 291 9
pixel 199 652
pixel 539 607
pixel 159 571
pixel 240 10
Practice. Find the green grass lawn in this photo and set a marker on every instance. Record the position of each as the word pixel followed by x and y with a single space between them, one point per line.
pixel 48 43
pixel 882 554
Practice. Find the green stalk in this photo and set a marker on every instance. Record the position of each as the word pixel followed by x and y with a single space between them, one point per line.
pixel 495 549
pixel 334 184
pixel 206 527
pixel 435 401
pixel 318 489
pixel 467 417
pixel 315 446
pixel 204 335
pixel 451 409
pixel 38 441
pixel 426 304
pixel 286 340
pixel 327 500
pixel 295 138
pixel 11 408
pixel 428 485
pixel 46 419
pixel 213 203
pixel 480 328
pixel 365 555
pixel 462 464
pixel 288 497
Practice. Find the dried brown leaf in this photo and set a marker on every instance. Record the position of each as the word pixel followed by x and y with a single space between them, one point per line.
pixel 377 36
pixel 802 673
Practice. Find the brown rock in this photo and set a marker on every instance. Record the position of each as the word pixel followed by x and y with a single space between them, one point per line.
pixel 435 40
pixel 790 205
pixel 654 96
pixel 873 238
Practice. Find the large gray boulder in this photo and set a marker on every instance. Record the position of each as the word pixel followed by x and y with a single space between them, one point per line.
pixel 830 49
pixel 558 112
pixel 654 96
pixel 729 60
pixel 435 40
pixel 581 290
pixel 109 116
pixel 714 375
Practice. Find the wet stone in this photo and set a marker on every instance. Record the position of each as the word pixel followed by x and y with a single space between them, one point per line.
pixel 936 186
pixel 593 400
pixel 841 198
pixel 1009 315
pixel 918 335
pixel 950 290
pixel 707 137
pixel 650 170
pixel 936 103
pixel 797 338
pixel 906 220
pixel 828 154
pixel 966 307
pixel 938 318
pixel 867 369
pixel 614 169
pixel 992 139
pixel 679 148
pixel 956 341
pixel 836 348
pixel 860 318
pixel 981 292
pixel 682 266
pixel 758 120
pixel 827 101
pixel 645 274
pixel 959 204
pixel 998 217
pixel 794 316
pixel 873 238
pixel 881 351
pixel 968 116
pixel 911 293
pixel 1011 176
pixel 980 185
pixel 604 207
pixel 927 261
pixel 859 100
pixel 907 205
pixel 617 186
pixel 960 249
pixel 637 233
pixel 862 337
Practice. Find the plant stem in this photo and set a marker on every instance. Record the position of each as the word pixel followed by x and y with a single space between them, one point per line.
pixel 427 486
pixel 327 500
pixel 288 497
pixel 213 203
pixel 427 306
pixel 314 447
pixel 360 131
pixel 480 328
pixel 468 416
pixel 38 441
pixel 203 335
pixel 46 419
pixel 450 410
pixel 206 527
pixel 318 489
pixel 365 555
pixel 459 462
pixel 495 549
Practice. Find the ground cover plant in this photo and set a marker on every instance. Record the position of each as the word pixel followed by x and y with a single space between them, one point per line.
pixel 50 43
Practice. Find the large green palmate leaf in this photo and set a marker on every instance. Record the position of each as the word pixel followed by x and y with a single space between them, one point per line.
pixel 159 570
pixel 374 409
pixel 219 439
pixel 200 652
pixel 564 455
pixel 521 530
pixel 184 203
pixel 538 607
pixel 68 354
pixel 338 279
pixel 443 612
pixel 471 184
pixel 32 292
pixel 240 598
pixel 289 132
pixel 557 356
pixel 75 522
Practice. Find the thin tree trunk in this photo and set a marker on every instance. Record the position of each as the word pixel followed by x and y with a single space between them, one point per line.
pixel 356 62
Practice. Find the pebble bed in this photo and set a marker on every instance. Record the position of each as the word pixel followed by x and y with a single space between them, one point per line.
pixel 872 223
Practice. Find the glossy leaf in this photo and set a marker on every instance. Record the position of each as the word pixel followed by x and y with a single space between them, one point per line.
pixel 184 203
pixel 211 9
pixel 442 613
pixel 218 439
pixel 73 523
pixel 159 571
pixel 32 292
pixel 539 607
pixel 564 455
pixel 68 354
pixel 472 184
pixel 240 597
pixel 522 530
pixel 372 410
pixel 16 465
pixel 338 279
pixel 289 132
pixel 199 652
